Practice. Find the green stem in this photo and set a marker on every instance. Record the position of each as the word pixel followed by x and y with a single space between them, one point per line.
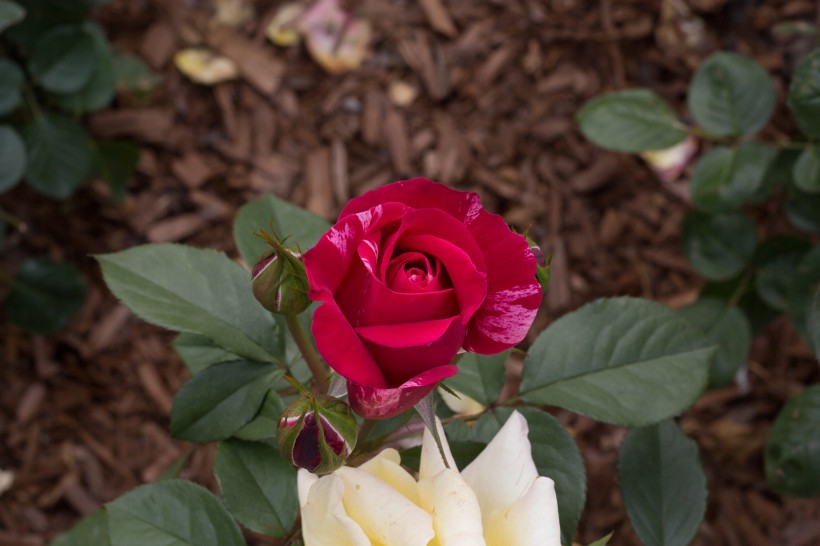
pixel 317 368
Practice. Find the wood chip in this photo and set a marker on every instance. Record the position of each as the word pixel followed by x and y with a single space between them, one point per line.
pixel 319 185
pixel 176 228
pixel 192 169
pixel 158 45
pixel 601 172
pixel 256 64
pixel 151 381
pixel 416 52
pixel 108 328
pixel 31 402
pixel 438 17
pixel 145 124
pixel 398 146
pixel 559 295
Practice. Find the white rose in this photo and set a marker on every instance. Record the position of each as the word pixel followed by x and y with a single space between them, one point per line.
pixel 498 500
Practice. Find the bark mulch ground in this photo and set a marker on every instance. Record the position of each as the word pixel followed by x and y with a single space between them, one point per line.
pixel 480 95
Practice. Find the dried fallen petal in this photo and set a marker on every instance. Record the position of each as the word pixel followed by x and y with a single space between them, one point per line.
pixel 283 30
pixel 335 39
pixel 204 66
pixel 669 163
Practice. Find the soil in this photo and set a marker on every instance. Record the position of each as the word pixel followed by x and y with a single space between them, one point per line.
pixel 480 95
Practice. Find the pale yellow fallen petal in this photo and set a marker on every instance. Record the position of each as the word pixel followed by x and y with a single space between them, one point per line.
pixel 461 404
pixel 324 519
pixel 431 462
pixel 504 471
pixel 387 467
pixel 204 66
pixel 385 515
pixel 455 509
pixel 669 163
pixel 283 28
pixel 532 520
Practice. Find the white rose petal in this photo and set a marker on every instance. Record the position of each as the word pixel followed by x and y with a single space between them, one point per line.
pixel 385 515
pixel 504 471
pixel 387 467
pixel 431 463
pixel 324 520
pixel 531 520
pixel 455 509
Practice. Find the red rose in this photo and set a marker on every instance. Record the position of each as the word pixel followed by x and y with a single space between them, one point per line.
pixel 411 273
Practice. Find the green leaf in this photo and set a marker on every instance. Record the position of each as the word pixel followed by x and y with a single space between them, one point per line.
pixel 45 295
pixel 59 155
pixel 740 290
pixel 793 446
pixel 805 283
pixel 98 91
pixel 12 158
pixel 221 399
pixel 623 360
pixel 777 177
pixel 11 13
pixel 635 120
pixel 480 377
pixel 262 428
pixel 728 328
pixel 804 95
pixel 192 290
pixel 663 484
pixel 803 210
pixel 258 485
pixel 63 59
pixel 726 178
pixel 133 75
pixel 92 529
pixel 776 259
pixel 171 513
pixel 116 162
pixel 11 83
pixel 199 352
pixel 731 95
pixel 303 228
pixel 807 171
pixel 718 246
pixel 556 456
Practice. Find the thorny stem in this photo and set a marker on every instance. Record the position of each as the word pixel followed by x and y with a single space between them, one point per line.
pixel 317 368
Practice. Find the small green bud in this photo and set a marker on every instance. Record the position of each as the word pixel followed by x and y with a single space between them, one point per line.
pixel 317 433
pixel 280 282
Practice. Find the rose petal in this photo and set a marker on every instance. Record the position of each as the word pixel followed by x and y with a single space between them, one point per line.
pixel 455 509
pixel 469 283
pixel 418 193
pixel 406 350
pixel 366 301
pixel 504 471
pixel 513 293
pixel 431 462
pixel 324 518
pixel 531 520
pixel 387 467
pixel 385 515
pixel 381 403
pixel 342 348
pixel 327 262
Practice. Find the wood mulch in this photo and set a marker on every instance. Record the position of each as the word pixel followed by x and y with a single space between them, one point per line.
pixel 480 95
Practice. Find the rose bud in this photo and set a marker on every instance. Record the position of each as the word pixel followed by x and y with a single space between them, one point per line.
pixel 542 265
pixel 317 433
pixel 279 280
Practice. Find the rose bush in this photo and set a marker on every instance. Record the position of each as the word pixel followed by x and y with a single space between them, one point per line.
pixel 411 273
pixel 498 500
